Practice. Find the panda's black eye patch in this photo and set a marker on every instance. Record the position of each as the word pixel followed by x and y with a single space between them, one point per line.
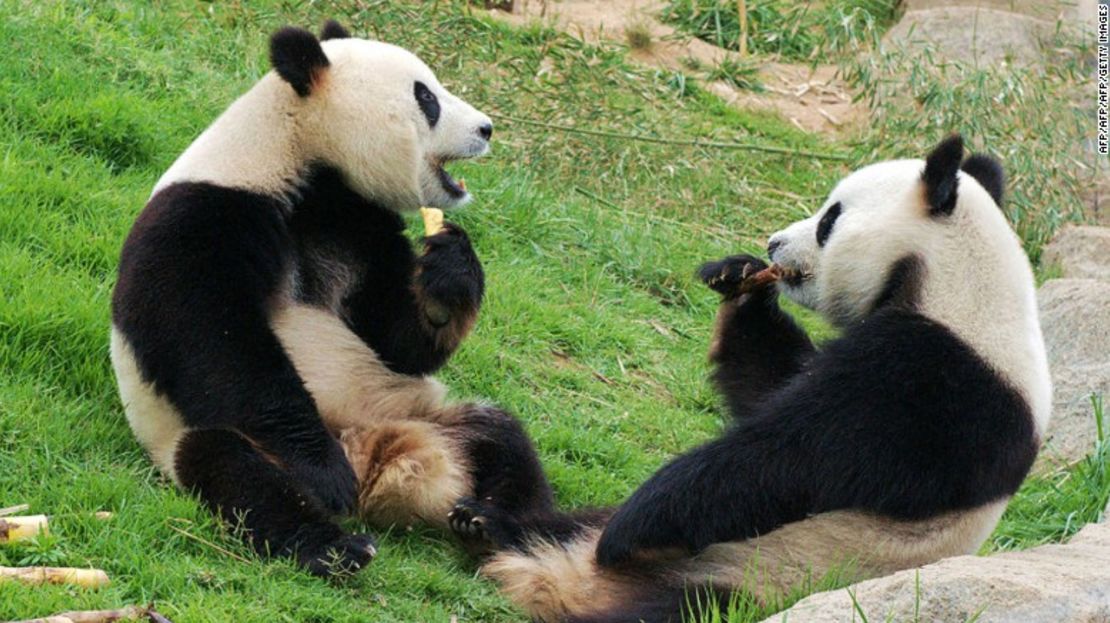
pixel 825 225
pixel 428 102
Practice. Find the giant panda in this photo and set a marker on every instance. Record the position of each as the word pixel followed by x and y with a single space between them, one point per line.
pixel 896 444
pixel 272 324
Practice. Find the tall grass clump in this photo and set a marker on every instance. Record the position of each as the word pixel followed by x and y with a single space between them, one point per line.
pixel 792 30
pixel 1031 118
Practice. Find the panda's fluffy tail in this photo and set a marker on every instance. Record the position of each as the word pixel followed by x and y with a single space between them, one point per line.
pixel 561 583
pixel 662 604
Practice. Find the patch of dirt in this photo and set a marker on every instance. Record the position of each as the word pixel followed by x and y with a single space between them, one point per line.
pixel 813 99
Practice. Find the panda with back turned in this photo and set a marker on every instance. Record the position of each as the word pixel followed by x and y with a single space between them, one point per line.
pixel 894 445
pixel 268 304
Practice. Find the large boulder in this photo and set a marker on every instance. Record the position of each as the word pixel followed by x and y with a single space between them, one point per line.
pixel 1080 251
pixel 1075 318
pixel 1066 11
pixel 1059 583
pixel 988 32
pixel 971 35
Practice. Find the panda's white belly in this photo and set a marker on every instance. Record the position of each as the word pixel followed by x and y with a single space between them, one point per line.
pixel 156 423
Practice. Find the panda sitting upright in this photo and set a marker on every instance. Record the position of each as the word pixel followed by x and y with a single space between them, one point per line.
pixel 269 302
pixel 895 445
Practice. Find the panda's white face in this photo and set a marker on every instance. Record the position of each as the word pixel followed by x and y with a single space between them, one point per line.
pixel 838 260
pixel 380 115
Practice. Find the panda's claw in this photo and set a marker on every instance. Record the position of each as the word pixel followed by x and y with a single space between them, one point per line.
pixel 467 522
pixel 726 276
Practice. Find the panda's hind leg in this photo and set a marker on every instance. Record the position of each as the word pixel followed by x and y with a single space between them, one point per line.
pixel 504 464
pixel 408 471
pixel 239 482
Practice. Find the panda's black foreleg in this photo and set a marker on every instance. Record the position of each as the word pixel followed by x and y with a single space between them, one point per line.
pixel 756 345
pixel 277 516
pixel 415 316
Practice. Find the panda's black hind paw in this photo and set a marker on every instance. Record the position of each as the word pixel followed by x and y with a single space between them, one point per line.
pixel 344 556
pixel 468 522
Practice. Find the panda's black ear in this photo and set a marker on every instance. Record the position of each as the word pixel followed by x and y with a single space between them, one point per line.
pixel 334 30
pixel 988 172
pixel 942 166
pixel 298 58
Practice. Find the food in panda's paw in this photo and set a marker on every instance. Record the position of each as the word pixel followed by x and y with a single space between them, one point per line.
pixel 762 279
pixel 433 220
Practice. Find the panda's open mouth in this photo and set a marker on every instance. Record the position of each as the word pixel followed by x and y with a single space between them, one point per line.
pixel 456 189
pixel 795 276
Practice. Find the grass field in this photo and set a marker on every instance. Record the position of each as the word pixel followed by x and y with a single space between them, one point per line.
pixel 594 331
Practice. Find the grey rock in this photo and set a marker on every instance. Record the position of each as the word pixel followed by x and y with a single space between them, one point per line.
pixel 1075 318
pixel 1080 251
pixel 1057 583
pixel 973 35
pixel 1081 13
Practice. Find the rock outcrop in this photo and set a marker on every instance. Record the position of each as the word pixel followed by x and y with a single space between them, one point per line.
pixel 1058 583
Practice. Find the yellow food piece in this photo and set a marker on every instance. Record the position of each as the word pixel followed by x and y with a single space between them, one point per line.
pixel 22 528
pixel 433 220
pixel 90 578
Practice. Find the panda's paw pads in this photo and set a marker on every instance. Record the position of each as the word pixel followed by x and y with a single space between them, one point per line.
pixel 467 521
pixel 727 275
pixel 342 557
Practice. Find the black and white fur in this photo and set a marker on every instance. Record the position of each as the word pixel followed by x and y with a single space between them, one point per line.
pixel 894 445
pixel 269 302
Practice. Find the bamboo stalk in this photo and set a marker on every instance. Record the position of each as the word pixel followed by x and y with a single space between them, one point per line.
pixel 742 11
pixel 89 578
pixel 23 528
pixel 772 149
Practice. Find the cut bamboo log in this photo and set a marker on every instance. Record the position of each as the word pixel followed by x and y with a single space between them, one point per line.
pixel 89 578
pixel 129 613
pixel 23 528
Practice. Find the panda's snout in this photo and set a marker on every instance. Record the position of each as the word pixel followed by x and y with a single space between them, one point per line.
pixel 486 130
pixel 773 245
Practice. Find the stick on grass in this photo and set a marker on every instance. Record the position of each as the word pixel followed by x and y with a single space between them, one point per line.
pixel 11 510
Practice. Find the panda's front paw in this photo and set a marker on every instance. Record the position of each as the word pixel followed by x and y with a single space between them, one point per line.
pixel 735 275
pixel 450 272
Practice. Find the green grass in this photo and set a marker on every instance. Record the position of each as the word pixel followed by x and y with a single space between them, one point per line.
pixel 797 30
pixel 594 331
